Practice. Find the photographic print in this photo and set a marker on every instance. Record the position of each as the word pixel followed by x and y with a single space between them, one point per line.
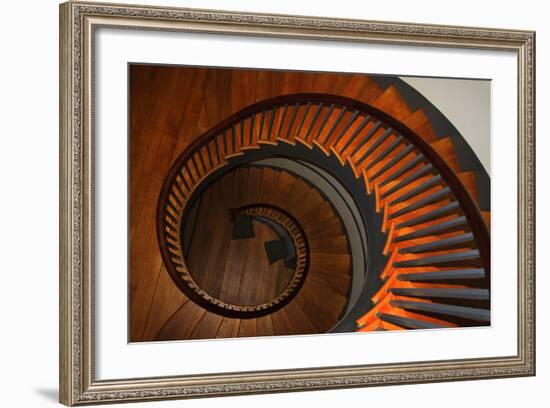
pixel 268 203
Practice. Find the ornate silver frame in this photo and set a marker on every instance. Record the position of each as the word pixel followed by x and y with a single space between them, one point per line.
pixel 78 21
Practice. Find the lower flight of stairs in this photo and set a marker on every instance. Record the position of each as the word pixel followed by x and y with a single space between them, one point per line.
pixel 321 300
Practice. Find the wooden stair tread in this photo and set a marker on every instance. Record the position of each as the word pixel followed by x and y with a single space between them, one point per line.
pixel 329 299
pixel 321 212
pixel 331 245
pixel 338 283
pixel 487 218
pixel 269 181
pixel 330 262
pixel 332 83
pixel 248 328
pixel 468 179
pixel 182 323
pixel 362 87
pixel 315 313
pixel 419 123
pixel 167 300
pixel 281 324
pixel 265 326
pixel 298 319
pixel 228 328
pixel 391 102
pixel 208 326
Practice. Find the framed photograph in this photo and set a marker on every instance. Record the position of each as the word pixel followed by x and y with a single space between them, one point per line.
pixel 261 203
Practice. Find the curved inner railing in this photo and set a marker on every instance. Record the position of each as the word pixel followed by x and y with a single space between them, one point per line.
pixel 358 134
pixel 296 234
pixel 194 290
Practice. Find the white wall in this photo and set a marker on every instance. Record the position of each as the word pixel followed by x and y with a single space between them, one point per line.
pixel 467 105
pixel 28 220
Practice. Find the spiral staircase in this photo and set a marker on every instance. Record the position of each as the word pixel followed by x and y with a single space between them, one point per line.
pixel 423 260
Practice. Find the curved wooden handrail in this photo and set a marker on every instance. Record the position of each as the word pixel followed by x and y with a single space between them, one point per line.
pixel 296 234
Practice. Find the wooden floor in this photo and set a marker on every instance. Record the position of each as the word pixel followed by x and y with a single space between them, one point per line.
pixel 235 271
